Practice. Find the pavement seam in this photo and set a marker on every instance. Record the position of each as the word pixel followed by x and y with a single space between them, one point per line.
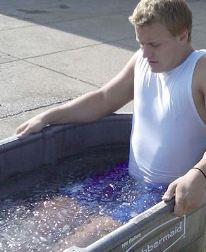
pixel 60 51
pixel 72 77
pixel 36 108
pixel 59 72
pixel 55 71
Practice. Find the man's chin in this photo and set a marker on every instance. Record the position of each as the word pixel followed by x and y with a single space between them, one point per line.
pixel 157 69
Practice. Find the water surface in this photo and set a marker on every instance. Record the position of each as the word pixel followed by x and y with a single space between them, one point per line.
pixel 76 203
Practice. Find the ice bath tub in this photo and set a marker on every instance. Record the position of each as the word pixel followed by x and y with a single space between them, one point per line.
pixel 156 229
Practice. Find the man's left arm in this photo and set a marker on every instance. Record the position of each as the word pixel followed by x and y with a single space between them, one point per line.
pixel 190 189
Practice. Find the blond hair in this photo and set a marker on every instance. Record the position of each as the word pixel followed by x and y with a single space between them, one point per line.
pixel 174 14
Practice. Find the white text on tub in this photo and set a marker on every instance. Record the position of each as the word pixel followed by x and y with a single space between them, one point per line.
pixel 155 244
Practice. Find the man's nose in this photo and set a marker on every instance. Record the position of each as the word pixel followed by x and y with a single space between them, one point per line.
pixel 147 52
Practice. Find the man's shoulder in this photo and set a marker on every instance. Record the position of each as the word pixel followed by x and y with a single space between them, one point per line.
pixel 201 66
pixel 200 73
pixel 202 61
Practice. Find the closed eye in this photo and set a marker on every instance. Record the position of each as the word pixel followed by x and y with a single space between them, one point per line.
pixel 154 45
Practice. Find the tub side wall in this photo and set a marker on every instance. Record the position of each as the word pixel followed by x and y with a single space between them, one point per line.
pixel 59 142
pixel 196 231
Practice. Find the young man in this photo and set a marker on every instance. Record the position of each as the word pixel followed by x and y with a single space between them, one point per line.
pixel 166 78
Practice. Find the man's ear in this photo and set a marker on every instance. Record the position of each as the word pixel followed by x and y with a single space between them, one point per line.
pixel 183 36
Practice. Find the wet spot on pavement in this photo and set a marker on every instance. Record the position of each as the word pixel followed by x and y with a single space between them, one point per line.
pixel 63 6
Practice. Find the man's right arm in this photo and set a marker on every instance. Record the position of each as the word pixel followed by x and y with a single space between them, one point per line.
pixel 90 106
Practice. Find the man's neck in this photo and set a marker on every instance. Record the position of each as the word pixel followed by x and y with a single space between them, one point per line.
pixel 185 53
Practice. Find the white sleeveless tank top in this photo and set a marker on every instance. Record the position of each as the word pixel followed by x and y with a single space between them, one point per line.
pixel 168 137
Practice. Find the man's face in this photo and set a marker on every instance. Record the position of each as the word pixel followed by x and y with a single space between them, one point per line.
pixel 160 48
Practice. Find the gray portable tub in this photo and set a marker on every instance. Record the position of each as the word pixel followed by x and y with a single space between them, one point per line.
pixel 156 229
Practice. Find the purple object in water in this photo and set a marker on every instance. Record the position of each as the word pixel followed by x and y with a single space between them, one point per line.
pixel 113 192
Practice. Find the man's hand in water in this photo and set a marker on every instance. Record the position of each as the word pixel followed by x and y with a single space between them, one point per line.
pixel 33 125
pixel 189 191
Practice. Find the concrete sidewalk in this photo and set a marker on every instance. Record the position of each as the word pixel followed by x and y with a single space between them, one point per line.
pixel 53 51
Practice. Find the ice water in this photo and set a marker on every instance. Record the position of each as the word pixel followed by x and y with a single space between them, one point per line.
pixel 76 203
